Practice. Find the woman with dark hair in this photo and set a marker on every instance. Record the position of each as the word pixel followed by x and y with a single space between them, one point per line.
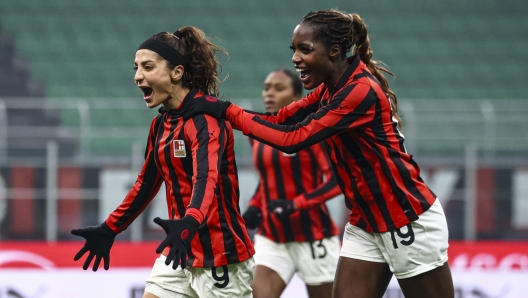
pixel 397 226
pixel 295 231
pixel 207 251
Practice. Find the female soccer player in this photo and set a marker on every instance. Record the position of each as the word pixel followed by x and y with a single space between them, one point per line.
pixel 206 234
pixel 297 233
pixel 397 226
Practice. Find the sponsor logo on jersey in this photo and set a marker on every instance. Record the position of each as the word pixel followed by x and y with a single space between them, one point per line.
pixel 178 147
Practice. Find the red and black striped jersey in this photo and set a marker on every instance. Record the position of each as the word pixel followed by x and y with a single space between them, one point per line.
pixel 306 178
pixel 195 158
pixel 380 180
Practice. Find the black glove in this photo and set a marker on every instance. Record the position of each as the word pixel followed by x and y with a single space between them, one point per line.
pixel 207 105
pixel 252 217
pixel 179 236
pixel 281 208
pixel 99 240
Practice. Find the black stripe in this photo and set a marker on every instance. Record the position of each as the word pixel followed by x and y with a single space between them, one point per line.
pixel 207 246
pixel 301 114
pixel 329 185
pixel 148 185
pixel 152 139
pixel 370 178
pixel 367 74
pixel 202 155
pixel 279 183
pixel 395 158
pixel 178 202
pixel 335 169
pixel 356 194
pixel 341 125
pixel 362 224
pixel 188 169
pixel 326 222
pixel 296 169
pixel 306 225
pixel 263 174
pixel 314 167
pixel 229 240
pixel 381 137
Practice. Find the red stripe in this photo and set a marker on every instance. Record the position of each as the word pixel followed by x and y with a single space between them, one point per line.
pixel 23 203
pixel 69 207
pixel 485 200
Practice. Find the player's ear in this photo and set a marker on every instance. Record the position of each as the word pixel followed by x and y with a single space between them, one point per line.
pixel 335 52
pixel 177 73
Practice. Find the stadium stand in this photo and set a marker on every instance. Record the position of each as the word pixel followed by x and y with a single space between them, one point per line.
pixel 439 50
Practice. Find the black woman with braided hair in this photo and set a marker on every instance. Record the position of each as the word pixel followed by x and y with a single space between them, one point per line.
pixel 207 251
pixel 397 225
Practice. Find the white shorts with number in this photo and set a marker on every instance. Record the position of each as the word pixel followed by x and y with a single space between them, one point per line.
pixel 315 262
pixel 419 247
pixel 230 281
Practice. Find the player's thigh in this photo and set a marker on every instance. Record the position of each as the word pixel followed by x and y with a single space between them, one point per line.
pixel 167 282
pixel 418 247
pixel 359 278
pixel 274 256
pixel 436 283
pixel 267 283
pixel 362 270
pixel 233 280
pixel 315 262
pixel 320 291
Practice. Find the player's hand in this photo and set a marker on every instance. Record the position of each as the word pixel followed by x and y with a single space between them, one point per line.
pixel 252 217
pixel 99 240
pixel 281 208
pixel 179 236
pixel 207 105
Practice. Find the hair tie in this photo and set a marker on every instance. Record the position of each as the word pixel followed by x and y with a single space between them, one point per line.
pixel 178 34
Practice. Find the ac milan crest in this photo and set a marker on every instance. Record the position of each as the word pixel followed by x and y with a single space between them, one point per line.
pixel 178 147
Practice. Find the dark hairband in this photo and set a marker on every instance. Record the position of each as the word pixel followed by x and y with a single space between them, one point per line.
pixel 178 34
pixel 164 50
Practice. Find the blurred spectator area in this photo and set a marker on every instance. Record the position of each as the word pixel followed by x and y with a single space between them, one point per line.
pixel 438 49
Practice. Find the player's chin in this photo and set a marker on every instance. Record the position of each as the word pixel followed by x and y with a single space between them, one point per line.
pixel 309 85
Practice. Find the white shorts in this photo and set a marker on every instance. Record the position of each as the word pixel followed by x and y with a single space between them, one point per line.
pixel 411 250
pixel 233 280
pixel 315 262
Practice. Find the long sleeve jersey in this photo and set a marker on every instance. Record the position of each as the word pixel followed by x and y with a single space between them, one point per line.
pixel 306 178
pixel 195 158
pixel 380 180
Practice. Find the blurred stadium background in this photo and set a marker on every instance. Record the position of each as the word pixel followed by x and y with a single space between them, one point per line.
pixel 73 125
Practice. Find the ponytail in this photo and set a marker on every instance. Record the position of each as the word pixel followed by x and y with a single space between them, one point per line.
pixel 361 42
pixel 201 65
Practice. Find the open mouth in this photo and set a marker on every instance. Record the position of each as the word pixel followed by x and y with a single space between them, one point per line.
pixel 304 72
pixel 147 92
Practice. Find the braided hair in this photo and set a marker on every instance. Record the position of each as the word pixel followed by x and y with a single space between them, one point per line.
pixel 348 31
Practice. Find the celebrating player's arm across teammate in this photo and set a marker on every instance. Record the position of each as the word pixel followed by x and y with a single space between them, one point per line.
pixel 395 217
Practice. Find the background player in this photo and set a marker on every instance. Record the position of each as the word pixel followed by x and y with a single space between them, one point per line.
pixel 206 235
pixel 296 233
pixel 397 226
